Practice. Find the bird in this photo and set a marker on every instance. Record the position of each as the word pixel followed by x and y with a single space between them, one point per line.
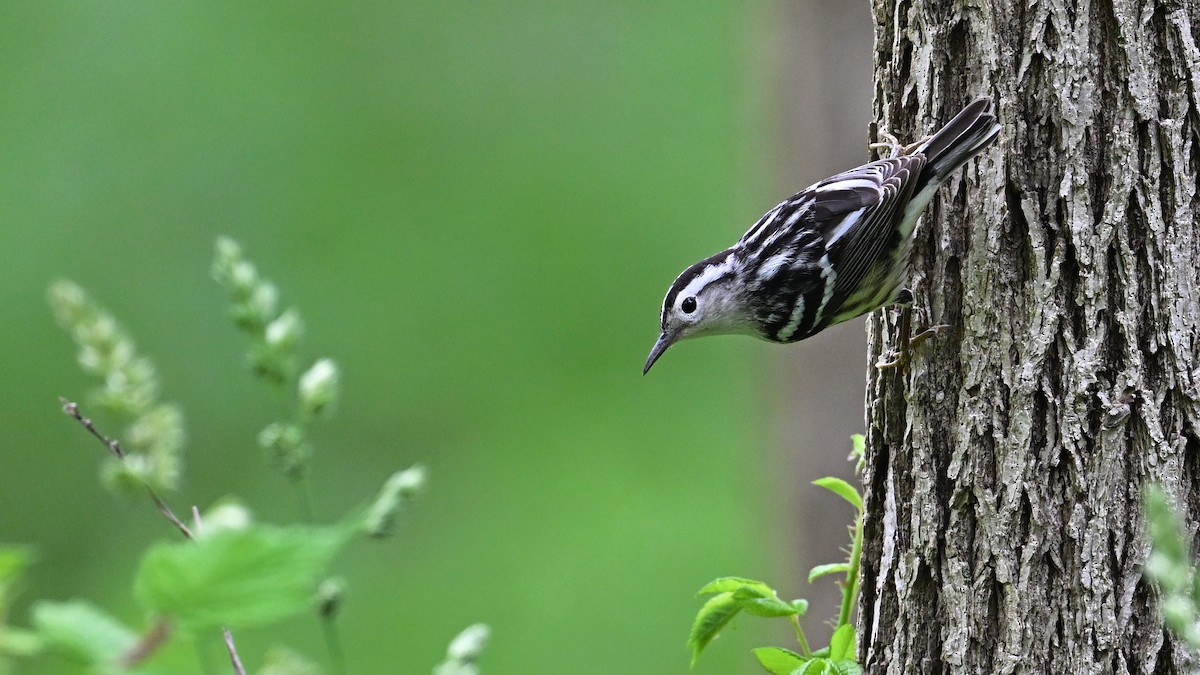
pixel 833 251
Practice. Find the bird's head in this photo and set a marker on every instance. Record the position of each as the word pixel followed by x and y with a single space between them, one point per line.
pixel 707 299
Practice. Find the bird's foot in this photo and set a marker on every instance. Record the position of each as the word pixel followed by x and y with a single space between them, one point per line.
pixel 887 142
pixel 893 146
pixel 902 357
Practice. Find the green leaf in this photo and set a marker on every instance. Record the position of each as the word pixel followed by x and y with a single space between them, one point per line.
pixel 841 645
pixel 801 606
pixel 19 642
pixel 731 584
pixel 858 454
pixel 712 617
pixel 777 660
pixel 760 606
pixel 817 666
pixel 82 631
pixel 842 489
pixel 237 578
pixel 825 570
pixel 845 667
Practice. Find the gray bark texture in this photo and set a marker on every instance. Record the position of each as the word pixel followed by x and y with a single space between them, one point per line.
pixel 1005 467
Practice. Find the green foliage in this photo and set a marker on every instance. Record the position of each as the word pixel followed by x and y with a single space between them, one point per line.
pixel 83 632
pixel 732 595
pixel 255 309
pixel 827 569
pixel 154 436
pixel 231 573
pixel 237 578
pixel 1171 568
pixel 273 355
pixel 779 660
pixel 842 489
pixel 436 187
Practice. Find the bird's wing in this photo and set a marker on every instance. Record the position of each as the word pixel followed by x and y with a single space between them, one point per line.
pixel 857 213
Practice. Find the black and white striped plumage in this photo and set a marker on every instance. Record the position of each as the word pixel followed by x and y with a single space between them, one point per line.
pixel 834 251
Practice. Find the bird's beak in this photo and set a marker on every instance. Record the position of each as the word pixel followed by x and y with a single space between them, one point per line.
pixel 665 340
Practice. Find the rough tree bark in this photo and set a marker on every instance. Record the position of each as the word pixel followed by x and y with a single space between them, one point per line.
pixel 1006 467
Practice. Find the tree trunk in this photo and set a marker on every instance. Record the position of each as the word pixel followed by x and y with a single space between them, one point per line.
pixel 1006 466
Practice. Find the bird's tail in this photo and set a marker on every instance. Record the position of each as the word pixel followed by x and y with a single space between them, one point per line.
pixel 971 130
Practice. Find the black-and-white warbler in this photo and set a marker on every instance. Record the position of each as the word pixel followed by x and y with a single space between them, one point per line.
pixel 834 251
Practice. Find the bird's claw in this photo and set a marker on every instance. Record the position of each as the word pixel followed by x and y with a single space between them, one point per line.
pixel 893 147
pixel 896 359
pixel 887 142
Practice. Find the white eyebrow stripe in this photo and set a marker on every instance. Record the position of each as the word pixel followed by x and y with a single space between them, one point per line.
pixel 706 277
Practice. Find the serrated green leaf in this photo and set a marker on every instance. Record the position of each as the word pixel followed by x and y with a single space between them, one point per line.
pixel 845 667
pixel 801 606
pixel 842 489
pixel 759 606
pixel 777 660
pixel 731 584
pixel 825 570
pixel 237 578
pixel 841 645
pixel 816 666
pixel 712 617
pixel 82 631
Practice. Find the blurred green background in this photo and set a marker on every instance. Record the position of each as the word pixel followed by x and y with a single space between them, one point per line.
pixel 477 208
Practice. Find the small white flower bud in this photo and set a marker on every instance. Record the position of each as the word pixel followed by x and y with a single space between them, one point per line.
pixel 399 489
pixel 469 644
pixel 319 387
pixel 284 332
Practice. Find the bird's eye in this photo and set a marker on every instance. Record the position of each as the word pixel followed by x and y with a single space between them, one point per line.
pixel 688 305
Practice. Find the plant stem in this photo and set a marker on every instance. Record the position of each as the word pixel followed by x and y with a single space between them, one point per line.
pixel 71 409
pixel 304 499
pixel 147 644
pixel 850 592
pixel 800 636
pixel 333 645
pixel 233 655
